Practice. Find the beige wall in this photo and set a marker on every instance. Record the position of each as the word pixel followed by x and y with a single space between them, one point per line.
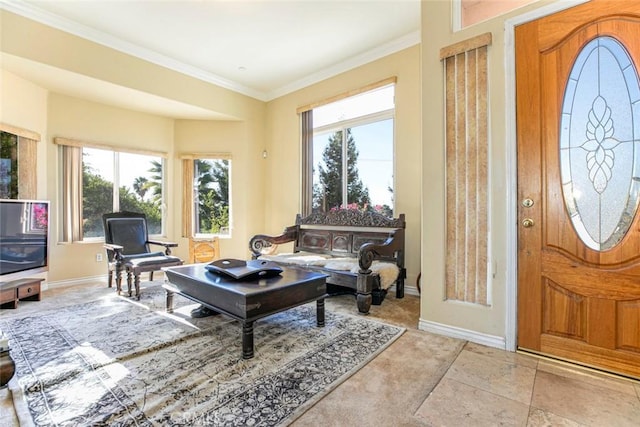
pixel 28 39
pixel 435 311
pixel 265 192
pixel 75 118
pixel 244 140
pixel 27 105
pixel 24 105
pixel 87 121
pixel 282 176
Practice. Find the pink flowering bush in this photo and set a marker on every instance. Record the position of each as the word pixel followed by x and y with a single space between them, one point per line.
pixel 40 218
pixel 381 209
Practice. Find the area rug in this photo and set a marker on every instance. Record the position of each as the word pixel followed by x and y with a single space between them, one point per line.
pixel 115 361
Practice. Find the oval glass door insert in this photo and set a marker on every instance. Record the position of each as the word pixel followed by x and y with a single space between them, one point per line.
pixel 600 143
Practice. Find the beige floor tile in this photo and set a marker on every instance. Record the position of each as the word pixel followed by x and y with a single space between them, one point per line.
pixel 540 418
pixel 504 378
pixel 589 376
pixel 8 416
pixel 388 390
pixel 456 404
pixel 505 356
pixel 484 386
pixel 583 402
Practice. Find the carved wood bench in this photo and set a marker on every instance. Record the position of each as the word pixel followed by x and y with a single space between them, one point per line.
pixel 362 252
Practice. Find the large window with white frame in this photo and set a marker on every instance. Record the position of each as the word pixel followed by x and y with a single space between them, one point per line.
pixel 206 195
pixel 211 197
pixel 109 180
pixel 351 155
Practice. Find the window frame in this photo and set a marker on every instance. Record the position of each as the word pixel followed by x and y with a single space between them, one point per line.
pixel 70 223
pixel 188 195
pixel 307 144
pixel 116 189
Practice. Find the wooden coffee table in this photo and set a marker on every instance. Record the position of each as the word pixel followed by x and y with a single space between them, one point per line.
pixel 247 301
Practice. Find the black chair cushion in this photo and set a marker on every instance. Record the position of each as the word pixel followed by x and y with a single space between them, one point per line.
pixel 129 257
pixel 153 262
pixel 130 233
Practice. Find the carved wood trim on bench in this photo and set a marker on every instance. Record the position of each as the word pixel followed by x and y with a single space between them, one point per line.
pixel 367 236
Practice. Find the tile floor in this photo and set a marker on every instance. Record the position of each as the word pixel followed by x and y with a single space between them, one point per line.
pixel 491 387
pixel 474 386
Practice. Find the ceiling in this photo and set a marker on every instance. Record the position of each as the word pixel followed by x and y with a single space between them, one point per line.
pixel 260 48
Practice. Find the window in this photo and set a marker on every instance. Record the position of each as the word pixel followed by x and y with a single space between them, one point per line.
pixel 8 166
pixel 18 162
pixel 470 12
pixel 114 181
pixel 109 181
pixel 207 202
pixel 358 129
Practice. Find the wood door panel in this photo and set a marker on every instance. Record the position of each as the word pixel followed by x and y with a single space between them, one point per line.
pixel 593 282
pixel 571 350
pixel 555 66
pixel 576 302
pixel 566 313
pixel 557 27
pixel 529 240
pixel 629 325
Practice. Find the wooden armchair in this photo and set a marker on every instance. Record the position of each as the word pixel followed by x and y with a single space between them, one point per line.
pixel 127 245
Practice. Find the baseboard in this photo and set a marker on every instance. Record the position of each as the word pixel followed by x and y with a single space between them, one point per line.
pixel 464 334
pixel 157 275
pixel 408 290
pixel 74 282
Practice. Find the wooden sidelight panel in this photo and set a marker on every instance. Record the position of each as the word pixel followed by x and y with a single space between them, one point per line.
pixel 467 152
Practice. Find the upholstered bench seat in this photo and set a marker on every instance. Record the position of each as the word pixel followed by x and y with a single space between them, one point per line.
pixel 361 252
pixel 387 271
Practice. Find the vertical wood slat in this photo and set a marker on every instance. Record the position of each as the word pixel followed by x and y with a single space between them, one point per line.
pixel 451 179
pixel 306 131
pixel 461 173
pixel 187 197
pixel 27 168
pixel 483 177
pixel 472 184
pixel 72 230
pixel 466 175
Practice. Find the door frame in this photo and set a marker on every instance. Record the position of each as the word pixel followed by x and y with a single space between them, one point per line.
pixel 511 324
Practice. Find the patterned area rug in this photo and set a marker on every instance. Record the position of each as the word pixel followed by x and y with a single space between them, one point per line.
pixel 114 361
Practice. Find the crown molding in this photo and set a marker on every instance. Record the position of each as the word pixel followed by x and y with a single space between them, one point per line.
pixel 34 13
pixel 378 52
pixel 37 14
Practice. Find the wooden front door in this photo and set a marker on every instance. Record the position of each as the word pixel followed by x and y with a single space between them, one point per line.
pixel 578 130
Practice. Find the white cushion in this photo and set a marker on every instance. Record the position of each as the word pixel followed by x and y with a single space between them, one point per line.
pixel 387 271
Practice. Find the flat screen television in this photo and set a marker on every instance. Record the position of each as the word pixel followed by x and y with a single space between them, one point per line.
pixel 24 236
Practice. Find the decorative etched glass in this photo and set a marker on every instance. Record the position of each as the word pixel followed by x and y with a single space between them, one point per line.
pixel 600 143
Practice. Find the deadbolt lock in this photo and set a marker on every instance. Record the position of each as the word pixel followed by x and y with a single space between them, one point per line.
pixel 527 203
pixel 527 223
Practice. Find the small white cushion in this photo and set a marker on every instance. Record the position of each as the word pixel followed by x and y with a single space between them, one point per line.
pixel 298 258
pixel 387 271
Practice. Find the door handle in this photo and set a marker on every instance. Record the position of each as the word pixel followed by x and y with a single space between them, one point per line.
pixel 527 223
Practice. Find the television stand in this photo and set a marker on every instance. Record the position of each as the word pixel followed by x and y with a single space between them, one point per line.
pixel 21 289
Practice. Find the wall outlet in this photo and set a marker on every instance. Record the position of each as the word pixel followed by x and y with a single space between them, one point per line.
pixel 98 257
